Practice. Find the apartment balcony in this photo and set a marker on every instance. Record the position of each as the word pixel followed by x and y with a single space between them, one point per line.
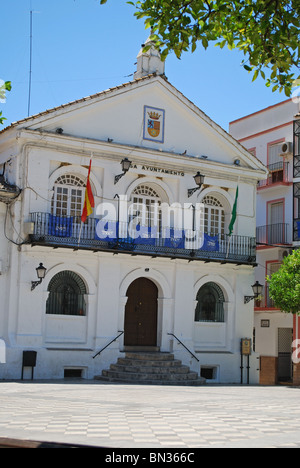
pixel 278 175
pixel 273 234
pixel 67 232
pixel 265 301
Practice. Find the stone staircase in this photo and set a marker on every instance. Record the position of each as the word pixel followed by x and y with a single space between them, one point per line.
pixel 151 368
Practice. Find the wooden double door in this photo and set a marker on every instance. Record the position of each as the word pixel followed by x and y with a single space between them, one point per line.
pixel 140 325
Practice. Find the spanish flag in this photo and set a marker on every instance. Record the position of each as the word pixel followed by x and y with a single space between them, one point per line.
pixel 89 198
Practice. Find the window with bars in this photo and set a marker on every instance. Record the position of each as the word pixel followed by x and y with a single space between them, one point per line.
pixel 296 211
pixel 296 149
pixel 214 216
pixel 66 294
pixel 210 304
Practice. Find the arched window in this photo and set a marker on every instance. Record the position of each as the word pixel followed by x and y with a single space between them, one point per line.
pixel 210 304
pixel 145 206
pixel 214 216
pixel 68 198
pixel 66 294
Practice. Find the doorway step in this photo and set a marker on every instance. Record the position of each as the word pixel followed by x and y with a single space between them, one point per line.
pixel 150 368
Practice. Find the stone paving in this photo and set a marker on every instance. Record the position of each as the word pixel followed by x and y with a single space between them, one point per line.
pixel 142 416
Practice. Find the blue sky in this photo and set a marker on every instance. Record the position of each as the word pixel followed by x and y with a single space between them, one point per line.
pixel 81 48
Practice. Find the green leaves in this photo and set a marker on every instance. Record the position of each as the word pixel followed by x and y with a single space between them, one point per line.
pixel 2 118
pixel 284 285
pixel 267 32
pixel 6 86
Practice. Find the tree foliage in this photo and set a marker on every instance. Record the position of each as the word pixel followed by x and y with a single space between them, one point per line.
pixel 266 31
pixel 284 285
pixel 6 86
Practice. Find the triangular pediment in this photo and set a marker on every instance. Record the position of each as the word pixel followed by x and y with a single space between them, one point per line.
pixel 147 113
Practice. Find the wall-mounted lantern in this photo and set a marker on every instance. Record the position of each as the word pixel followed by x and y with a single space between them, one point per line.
pixel 125 168
pixel 199 179
pixel 41 272
pixel 257 290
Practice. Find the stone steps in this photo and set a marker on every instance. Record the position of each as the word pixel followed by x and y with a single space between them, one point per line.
pixel 152 368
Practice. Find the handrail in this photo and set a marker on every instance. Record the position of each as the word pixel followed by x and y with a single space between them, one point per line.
pixel 108 344
pixel 275 233
pixel 172 334
pixel 64 231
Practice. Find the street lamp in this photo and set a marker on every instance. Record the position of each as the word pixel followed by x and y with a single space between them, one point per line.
pixel 199 179
pixel 41 272
pixel 125 168
pixel 257 290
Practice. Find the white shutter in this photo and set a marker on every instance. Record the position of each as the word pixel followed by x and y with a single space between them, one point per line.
pixel 276 213
pixel 274 152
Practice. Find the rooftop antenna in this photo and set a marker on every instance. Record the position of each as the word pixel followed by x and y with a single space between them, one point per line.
pixel 30 61
pixel 30 57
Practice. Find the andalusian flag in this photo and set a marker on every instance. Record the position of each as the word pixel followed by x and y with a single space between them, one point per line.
pixel 89 198
pixel 233 213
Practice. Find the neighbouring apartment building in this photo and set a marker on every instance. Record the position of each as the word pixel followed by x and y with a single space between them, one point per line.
pixel 153 268
pixel 272 135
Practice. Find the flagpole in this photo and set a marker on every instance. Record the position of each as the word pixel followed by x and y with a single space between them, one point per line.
pixel 80 233
pixel 87 181
pixel 228 245
pixel 233 217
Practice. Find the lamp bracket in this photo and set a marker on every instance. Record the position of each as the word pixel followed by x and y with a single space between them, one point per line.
pixel 193 190
pixel 118 177
pixel 34 284
pixel 248 299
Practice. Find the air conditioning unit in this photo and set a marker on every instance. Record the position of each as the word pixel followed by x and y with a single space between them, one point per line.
pixel 286 148
pixel 284 253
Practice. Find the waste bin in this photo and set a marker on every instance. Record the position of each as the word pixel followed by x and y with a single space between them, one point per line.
pixel 29 360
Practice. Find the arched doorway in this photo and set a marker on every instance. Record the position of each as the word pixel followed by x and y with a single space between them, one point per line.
pixel 140 324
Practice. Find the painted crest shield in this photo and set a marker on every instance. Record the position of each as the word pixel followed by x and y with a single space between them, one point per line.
pixel 153 126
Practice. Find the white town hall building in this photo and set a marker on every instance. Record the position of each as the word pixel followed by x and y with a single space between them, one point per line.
pixel 153 268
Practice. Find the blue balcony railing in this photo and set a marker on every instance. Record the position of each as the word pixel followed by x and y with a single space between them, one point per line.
pixel 122 238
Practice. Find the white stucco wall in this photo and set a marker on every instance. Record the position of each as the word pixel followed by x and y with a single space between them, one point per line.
pixel 42 155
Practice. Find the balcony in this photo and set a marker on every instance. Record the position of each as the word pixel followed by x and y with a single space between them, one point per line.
pixel 278 175
pixel 67 232
pixel 273 234
pixel 265 302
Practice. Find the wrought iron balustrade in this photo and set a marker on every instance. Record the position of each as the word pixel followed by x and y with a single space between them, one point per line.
pixel 273 234
pixel 278 173
pixel 265 301
pixel 122 238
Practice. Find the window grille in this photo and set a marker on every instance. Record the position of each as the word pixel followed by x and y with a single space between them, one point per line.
pixel 66 294
pixel 210 304
pixel 296 149
pixel 296 211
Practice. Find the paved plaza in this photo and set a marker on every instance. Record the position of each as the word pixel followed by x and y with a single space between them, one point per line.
pixel 135 416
